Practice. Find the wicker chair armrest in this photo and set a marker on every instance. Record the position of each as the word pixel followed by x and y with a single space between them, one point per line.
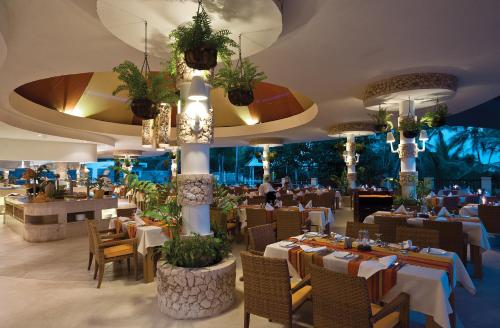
pixel 253 252
pixel 304 282
pixel 402 299
pixel 131 241
pixel 114 235
pixel 106 231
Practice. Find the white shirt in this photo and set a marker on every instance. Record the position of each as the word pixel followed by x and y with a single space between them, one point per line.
pixel 266 187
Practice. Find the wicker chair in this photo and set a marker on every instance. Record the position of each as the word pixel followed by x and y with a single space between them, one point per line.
pixel 111 251
pixel 261 236
pixel 311 197
pixel 268 292
pixel 255 217
pixel 106 235
pixel 451 203
pixel 352 229
pixel 126 212
pixel 288 200
pixel 256 200
pixel 341 300
pixel 490 216
pixel 419 236
pixel 451 237
pixel 388 226
pixel 327 199
pixel 288 224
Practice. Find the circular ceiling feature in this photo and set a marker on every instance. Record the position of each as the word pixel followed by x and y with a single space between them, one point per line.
pixel 422 88
pixel 271 142
pixel 258 21
pixel 356 129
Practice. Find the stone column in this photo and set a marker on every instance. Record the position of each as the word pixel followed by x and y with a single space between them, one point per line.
pixel 408 153
pixel 350 148
pixel 265 161
pixel 194 135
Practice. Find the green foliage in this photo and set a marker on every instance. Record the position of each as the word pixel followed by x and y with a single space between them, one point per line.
pixel 435 117
pixel 382 119
pixel 242 76
pixel 223 200
pixel 409 124
pixel 196 34
pixel 100 184
pixel 340 182
pixel 398 200
pixel 195 251
pixel 158 87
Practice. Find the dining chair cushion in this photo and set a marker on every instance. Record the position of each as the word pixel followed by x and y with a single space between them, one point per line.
pixel 389 321
pixel 118 250
pixel 300 296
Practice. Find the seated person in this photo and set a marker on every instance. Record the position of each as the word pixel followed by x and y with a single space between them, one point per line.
pixel 267 189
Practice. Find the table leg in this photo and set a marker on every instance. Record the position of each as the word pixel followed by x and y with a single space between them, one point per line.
pixel 429 322
pixel 453 315
pixel 148 265
pixel 477 261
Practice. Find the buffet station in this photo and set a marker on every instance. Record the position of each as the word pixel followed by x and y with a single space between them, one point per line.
pixel 58 218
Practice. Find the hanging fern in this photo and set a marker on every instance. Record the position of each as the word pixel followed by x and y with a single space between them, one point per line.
pixel 243 77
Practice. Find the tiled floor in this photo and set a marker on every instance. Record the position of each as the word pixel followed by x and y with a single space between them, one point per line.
pixel 48 285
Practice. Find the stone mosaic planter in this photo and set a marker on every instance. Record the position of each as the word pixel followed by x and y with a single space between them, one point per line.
pixel 185 293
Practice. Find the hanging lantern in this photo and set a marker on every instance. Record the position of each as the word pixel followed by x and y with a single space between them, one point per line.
pixel 147 133
pixel 162 125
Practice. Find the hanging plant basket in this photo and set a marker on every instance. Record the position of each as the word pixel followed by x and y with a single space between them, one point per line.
pixel 201 58
pixel 144 108
pixel 411 134
pixel 240 97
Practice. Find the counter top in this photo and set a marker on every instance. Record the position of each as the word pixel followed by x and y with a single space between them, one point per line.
pixel 21 200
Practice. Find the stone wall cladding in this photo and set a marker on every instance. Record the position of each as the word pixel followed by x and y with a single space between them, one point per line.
pixel 189 131
pixel 407 150
pixel 185 293
pixel 408 178
pixel 194 189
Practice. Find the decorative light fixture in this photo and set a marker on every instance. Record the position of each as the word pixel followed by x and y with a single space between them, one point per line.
pixel 422 137
pixel 148 133
pixel 162 125
pixel 197 90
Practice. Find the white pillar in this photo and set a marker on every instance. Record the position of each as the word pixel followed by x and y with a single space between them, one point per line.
pixel 350 148
pixel 407 153
pixel 265 161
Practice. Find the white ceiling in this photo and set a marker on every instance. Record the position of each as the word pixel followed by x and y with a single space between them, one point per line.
pixel 328 50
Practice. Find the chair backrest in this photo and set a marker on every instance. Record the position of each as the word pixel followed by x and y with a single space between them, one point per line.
pixel 288 200
pixel 451 237
pixel 472 199
pixel 218 220
pixel 256 200
pixel 451 203
pixel 311 197
pixel 256 217
pixel 352 229
pixel 261 236
pixel 288 224
pixel 326 199
pixel 388 226
pixel 94 236
pixel 126 212
pixel 339 300
pixel 267 287
pixel 419 236
pixel 490 216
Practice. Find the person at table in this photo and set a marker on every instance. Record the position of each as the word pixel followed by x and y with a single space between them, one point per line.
pixel 266 189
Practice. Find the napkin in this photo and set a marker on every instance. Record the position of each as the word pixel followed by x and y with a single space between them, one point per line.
pixel 301 208
pixel 301 193
pixel 309 249
pixel 443 212
pixel 431 194
pixel 269 207
pixel 139 221
pixel 450 194
pixel 401 210
pixel 309 204
pixel 407 244
pixel 279 203
pixel 307 191
pixel 369 268
pixel 278 194
pixel 245 202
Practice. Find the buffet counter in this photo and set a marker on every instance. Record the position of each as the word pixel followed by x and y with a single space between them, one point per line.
pixel 56 219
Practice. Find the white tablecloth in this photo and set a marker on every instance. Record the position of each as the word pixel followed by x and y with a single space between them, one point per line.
pixel 121 218
pixel 319 219
pixel 429 289
pixel 149 236
pixel 469 210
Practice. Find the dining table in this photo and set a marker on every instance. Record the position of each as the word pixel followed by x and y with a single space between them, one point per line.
pixel 469 210
pixel 429 279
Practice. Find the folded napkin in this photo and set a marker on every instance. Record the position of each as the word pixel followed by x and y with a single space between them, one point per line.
pixel 443 212
pixel 279 203
pixel 407 244
pixel 301 208
pixel 401 210
pixel 269 207
pixel 310 249
pixel 278 194
pixel 307 191
pixel 450 194
pixel 245 202
pixel 309 204
pixel 301 193
pixel 369 268
pixel 139 221
pixel 431 194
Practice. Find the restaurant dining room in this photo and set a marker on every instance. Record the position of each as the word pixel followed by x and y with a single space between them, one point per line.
pixel 236 163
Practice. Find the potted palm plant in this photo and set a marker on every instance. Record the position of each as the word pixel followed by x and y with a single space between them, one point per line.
pixel 145 92
pixel 382 119
pixel 199 44
pixel 435 117
pixel 239 81
pixel 410 127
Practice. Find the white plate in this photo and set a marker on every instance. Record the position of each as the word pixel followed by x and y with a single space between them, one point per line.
pixel 434 251
pixel 286 244
pixel 342 254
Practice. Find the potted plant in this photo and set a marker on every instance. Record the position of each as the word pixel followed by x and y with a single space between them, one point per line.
pixel 435 117
pixel 199 44
pixel 223 206
pixel 239 81
pixel 145 93
pixel 410 127
pixel 99 186
pixel 382 119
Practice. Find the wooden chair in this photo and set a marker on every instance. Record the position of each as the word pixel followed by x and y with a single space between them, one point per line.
pixel 352 229
pixel 256 200
pixel 419 236
pixel 311 197
pixel 451 203
pixel 327 199
pixel 341 300
pixel 111 251
pixel 288 224
pixel 288 200
pixel 126 212
pixel 451 237
pixel 388 226
pixel 490 217
pixel 268 292
pixel 261 236
pixel 106 235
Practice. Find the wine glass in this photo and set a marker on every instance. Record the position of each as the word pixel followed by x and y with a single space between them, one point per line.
pixel 379 238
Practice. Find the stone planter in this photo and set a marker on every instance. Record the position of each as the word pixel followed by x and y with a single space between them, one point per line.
pixel 185 293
